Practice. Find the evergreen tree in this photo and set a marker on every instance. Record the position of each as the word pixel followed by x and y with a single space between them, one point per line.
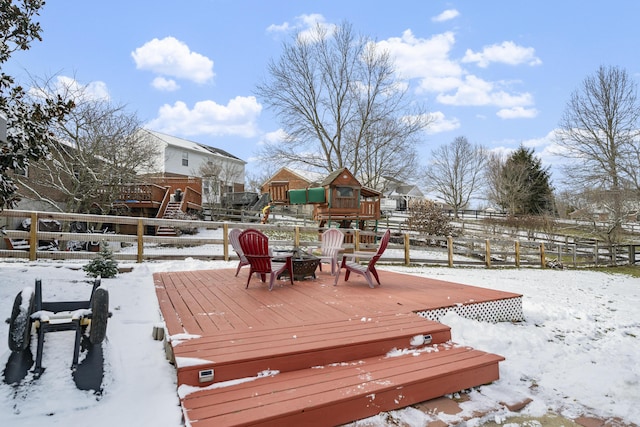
pixel 529 184
pixel 28 121
pixel 104 265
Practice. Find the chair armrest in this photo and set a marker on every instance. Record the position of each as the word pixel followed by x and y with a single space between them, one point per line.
pixel 359 254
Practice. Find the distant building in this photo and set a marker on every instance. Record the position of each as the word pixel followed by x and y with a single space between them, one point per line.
pixel 398 195
pixel 220 171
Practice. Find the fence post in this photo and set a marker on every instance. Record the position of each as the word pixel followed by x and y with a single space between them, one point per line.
pixel 225 240
pixel 596 252
pixel 140 240
pixel 407 249
pixel 542 256
pixel 33 236
pixel 450 250
pixel 356 239
pixel 296 237
pixel 487 253
pixel 632 254
pixel 517 252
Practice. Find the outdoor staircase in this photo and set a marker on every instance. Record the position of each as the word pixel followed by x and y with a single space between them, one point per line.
pixel 173 210
pixel 324 374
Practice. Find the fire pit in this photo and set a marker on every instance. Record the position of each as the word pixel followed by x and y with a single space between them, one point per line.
pixel 304 265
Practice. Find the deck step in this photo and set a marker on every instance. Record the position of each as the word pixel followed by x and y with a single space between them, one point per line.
pixel 339 393
pixel 241 354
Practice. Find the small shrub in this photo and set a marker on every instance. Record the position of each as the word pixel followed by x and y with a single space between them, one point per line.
pixel 103 265
pixel 426 217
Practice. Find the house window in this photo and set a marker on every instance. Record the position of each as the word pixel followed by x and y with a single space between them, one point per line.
pixel 345 198
pixel 185 159
pixel 344 191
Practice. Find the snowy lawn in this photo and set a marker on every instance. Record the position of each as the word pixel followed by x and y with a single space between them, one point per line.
pixel 576 353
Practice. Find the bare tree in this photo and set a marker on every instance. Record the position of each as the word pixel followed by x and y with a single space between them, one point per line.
pixel 506 183
pixel 97 148
pixel 599 130
pixel 219 175
pixel 340 105
pixel 456 171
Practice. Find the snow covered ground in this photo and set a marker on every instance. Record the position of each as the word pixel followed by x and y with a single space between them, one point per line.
pixel 576 353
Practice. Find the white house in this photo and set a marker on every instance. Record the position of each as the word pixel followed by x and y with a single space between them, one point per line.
pixel 221 172
pixel 398 195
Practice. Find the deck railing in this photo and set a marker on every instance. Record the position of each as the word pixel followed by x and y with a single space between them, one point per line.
pixel 405 247
pixel 138 192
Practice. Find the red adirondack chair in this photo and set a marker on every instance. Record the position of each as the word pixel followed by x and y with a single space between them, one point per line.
pixel 255 246
pixel 235 244
pixel 368 270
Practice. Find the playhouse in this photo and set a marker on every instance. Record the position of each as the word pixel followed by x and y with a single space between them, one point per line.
pixel 338 198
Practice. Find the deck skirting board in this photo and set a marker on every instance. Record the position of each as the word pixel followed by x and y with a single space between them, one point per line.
pixel 503 310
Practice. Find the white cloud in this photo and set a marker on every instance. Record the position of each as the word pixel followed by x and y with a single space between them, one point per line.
pixel 474 91
pixel 171 57
pixel 446 15
pixel 303 24
pixel 279 28
pixel 70 88
pixel 430 63
pixel 542 142
pixel 274 137
pixel 165 85
pixel 425 59
pixel 237 118
pixel 441 123
pixel 517 113
pixel 507 53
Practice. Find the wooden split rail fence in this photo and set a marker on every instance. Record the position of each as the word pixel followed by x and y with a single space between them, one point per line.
pixel 406 248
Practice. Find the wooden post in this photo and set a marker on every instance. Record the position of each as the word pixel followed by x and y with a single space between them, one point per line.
pixel 542 256
pixel 487 253
pixel 450 250
pixel 575 255
pixel 140 240
pixel 356 239
pixel 596 251
pixel 296 237
pixel 225 237
pixel 407 249
pixel 517 253
pixel 632 254
pixel 33 236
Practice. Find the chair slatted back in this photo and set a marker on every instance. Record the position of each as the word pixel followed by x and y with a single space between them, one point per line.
pixel 332 240
pixel 234 235
pixel 255 246
pixel 384 242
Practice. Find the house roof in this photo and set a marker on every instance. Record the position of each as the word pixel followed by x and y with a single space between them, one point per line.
pixel 332 176
pixel 190 145
pixel 310 177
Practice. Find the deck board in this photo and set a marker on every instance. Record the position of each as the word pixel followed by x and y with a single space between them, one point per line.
pixel 308 300
pixel 295 396
pixel 305 332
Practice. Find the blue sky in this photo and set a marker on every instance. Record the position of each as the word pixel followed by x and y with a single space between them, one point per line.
pixel 497 72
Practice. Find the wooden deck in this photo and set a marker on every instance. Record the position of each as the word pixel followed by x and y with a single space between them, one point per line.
pixel 329 345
